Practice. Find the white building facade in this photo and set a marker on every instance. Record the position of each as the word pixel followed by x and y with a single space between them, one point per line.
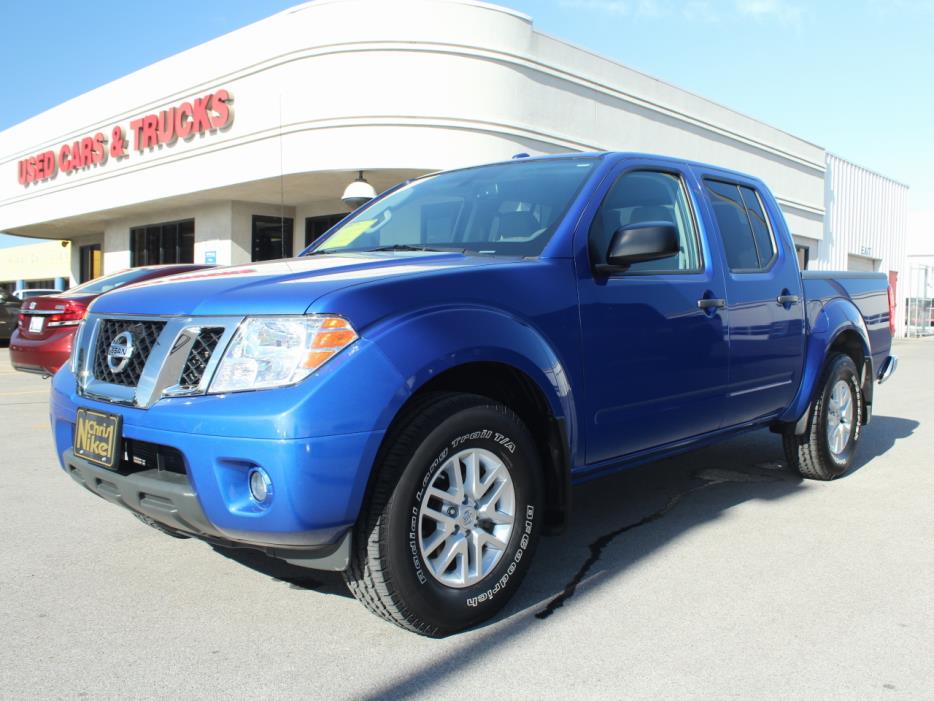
pixel 239 149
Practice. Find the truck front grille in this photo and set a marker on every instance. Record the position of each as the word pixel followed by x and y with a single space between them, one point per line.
pixel 172 356
pixel 198 357
pixel 143 334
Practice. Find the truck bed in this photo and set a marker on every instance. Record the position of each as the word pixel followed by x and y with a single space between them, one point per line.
pixel 868 291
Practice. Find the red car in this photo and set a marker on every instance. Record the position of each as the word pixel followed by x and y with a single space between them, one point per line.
pixel 41 343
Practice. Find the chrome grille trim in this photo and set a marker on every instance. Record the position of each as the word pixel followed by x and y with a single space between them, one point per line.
pixel 162 373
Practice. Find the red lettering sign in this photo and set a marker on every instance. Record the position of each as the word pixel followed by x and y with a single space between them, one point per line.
pixel 38 167
pixel 187 120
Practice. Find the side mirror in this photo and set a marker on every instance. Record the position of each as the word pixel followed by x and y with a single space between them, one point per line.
pixel 636 243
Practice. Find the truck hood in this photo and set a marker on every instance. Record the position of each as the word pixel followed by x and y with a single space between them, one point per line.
pixel 287 286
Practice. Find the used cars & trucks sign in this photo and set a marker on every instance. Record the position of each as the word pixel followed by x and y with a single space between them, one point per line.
pixel 200 115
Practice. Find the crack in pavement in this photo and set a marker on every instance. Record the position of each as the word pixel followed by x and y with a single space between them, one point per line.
pixel 711 477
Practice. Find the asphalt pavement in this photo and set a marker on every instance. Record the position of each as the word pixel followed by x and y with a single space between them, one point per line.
pixel 716 574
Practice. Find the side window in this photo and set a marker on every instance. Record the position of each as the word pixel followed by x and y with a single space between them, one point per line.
pixel 743 226
pixel 765 246
pixel 640 197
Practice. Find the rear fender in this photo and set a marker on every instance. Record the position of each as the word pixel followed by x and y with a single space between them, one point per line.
pixel 835 317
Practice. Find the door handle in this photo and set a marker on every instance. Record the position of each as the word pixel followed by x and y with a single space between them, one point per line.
pixel 787 300
pixel 709 303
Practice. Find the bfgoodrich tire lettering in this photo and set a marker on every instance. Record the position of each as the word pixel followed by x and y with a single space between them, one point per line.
pixel 827 450
pixel 394 571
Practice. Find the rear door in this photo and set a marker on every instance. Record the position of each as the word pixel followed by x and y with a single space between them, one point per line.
pixel 655 362
pixel 764 298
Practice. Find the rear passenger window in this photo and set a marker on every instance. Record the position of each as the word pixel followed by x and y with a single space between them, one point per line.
pixel 765 247
pixel 744 228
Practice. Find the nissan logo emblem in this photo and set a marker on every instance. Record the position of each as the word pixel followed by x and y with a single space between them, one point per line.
pixel 120 351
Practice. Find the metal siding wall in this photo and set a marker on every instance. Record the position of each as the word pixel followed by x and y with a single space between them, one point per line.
pixel 866 215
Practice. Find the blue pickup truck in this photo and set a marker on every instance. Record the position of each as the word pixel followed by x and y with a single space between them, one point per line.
pixel 411 400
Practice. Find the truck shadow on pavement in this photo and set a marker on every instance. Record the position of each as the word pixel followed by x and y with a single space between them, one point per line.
pixel 293 575
pixel 616 521
pixel 878 437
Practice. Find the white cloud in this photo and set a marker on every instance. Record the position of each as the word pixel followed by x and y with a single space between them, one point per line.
pixel 650 8
pixel 611 7
pixel 699 11
pixel 784 12
pixel 622 8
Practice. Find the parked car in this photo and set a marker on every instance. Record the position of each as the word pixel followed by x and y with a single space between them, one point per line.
pixel 9 311
pixel 410 401
pixel 23 295
pixel 41 342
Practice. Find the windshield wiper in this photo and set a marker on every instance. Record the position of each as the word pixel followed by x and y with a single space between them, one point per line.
pixel 392 247
pixel 409 247
pixel 324 251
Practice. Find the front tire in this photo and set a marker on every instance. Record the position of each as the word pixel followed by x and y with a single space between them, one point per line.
pixel 827 450
pixel 452 518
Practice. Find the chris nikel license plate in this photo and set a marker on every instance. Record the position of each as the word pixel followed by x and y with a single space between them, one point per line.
pixel 97 437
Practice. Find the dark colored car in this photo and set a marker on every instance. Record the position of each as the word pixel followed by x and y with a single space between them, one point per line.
pixel 41 341
pixel 9 310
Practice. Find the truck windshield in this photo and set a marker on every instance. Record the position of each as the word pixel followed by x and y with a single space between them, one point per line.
pixel 508 209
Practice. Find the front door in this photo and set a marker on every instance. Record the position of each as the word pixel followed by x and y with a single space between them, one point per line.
pixel 655 362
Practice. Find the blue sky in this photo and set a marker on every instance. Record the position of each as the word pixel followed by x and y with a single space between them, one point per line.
pixel 855 77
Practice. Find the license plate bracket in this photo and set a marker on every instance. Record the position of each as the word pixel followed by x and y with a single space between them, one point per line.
pixel 98 437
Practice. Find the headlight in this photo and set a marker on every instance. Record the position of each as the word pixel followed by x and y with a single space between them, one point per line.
pixel 276 351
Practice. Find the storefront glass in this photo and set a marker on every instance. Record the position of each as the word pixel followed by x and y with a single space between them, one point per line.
pixel 272 237
pixel 171 242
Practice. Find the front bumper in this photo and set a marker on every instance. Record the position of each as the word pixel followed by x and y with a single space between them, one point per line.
pixel 318 481
pixel 169 500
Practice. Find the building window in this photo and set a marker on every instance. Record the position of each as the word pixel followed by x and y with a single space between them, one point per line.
pixel 47 284
pixel 91 262
pixel 804 256
pixel 155 244
pixel 272 237
pixel 316 226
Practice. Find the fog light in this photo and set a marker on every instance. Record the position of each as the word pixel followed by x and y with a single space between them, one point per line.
pixel 260 485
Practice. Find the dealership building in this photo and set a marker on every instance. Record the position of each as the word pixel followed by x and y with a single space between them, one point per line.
pixel 240 149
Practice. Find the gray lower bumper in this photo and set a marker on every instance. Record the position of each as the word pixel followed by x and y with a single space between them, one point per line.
pixel 169 500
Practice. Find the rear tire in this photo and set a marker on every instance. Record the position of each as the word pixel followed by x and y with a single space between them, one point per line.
pixel 452 519
pixel 827 449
